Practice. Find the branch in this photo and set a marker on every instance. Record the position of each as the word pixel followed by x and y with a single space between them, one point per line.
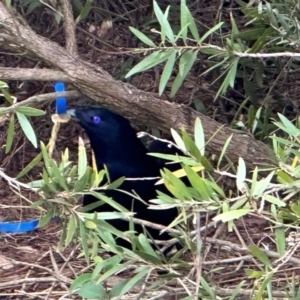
pixel 69 27
pixel 32 74
pixel 127 100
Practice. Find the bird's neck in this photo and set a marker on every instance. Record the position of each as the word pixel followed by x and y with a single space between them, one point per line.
pixel 121 160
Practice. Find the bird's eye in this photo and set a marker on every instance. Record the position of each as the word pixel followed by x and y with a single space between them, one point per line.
pixel 96 119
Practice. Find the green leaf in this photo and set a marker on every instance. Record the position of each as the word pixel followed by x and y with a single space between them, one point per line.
pixel 29 111
pixel 150 61
pixel 290 128
pixel 260 255
pixel 190 145
pixel 199 136
pixel 142 37
pixel 80 280
pixel 261 186
pixel 82 159
pixel 241 174
pixel 224 149
pixel 184 20
pixel 166 29
pixel 85 10
pixel 92 290
pixel 210 31
pixel 71 230
pixel 192 25
pixel 231 215
pixel 7 96
pixel 135 280
pixel 167 72
pixel 178 140
pixel 186 62
pixel 27 129
pixel 10 134
pixel 280 241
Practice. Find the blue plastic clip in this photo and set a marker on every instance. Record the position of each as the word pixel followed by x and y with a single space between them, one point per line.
pixel 19 227
pixel 61 102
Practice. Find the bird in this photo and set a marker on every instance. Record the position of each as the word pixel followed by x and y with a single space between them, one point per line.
pixel 116 146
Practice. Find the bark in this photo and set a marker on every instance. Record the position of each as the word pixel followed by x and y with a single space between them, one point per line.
pixel 142 107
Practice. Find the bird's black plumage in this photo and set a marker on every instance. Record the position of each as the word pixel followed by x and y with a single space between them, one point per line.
pixel 115 145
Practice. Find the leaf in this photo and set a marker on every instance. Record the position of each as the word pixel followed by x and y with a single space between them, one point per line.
pixel 82 159
pixel 186 62
pixel 280 241
pixel 184 20
pixel 85 11
pixel 134 280
pixel 178 140
pixel 166 29
pixel 210 31
pixel 27 129
pixel 10 134
pixel 181 173
pixel 231 215
pixel 261 186
pixel 80 280
pixel 241 174
pixel 260 255
pixel 29 111
pixel 142 37
pixel 167 72
pixel 224 149
pixel 7 96
pixel 71 229
pixel 150 61
pixel 92 290
pixel 199 136
pixel 192 25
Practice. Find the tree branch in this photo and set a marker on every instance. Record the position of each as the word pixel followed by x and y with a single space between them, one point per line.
pixel 32 74
pixel 127 100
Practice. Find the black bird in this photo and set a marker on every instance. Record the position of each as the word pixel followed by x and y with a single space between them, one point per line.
pixel 115 145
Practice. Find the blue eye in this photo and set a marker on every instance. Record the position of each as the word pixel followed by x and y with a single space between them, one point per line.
pixel 96 119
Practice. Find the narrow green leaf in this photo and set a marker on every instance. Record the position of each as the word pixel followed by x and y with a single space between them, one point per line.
pixel 183 20
pixel 82 159
pixel 241 174
pixel 224 149
pixel 280 241
pixel 142 37
pixel 210 31
pixel 7 96
pixel 150 61
pixel 29 111
pixel 192 25
pixel 71 230
pixel 231 215
pixel 27 129
pixel 185 64
pixel 160 18
pixel 80 280
pixel 261 186
pixel 260 255
pixel 167 72
pixel 135 280
pixel 178 140
pixel 199 136
pixel 85 10
pixel 10 134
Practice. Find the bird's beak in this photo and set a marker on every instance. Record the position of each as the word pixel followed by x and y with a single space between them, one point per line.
pixel 72 113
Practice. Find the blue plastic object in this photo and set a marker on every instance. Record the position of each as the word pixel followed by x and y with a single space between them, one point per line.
pixel 19 227
pixel 61 102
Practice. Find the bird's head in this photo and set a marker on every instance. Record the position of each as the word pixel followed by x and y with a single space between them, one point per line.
pixel 101 123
